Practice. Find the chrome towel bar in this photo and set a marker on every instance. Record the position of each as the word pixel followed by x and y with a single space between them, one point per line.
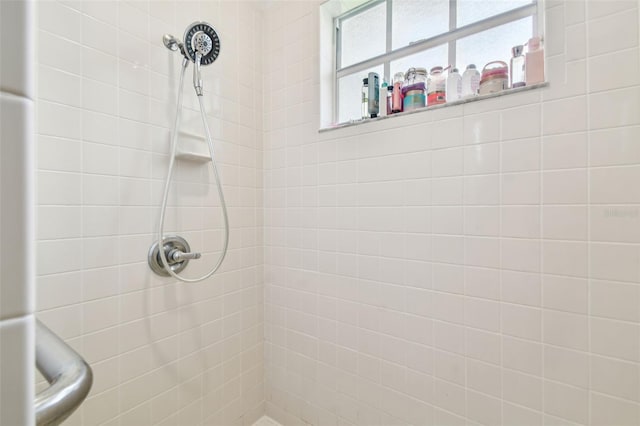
pixel 69 376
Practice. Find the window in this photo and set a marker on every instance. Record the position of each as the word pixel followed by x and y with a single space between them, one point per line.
pixel 389 36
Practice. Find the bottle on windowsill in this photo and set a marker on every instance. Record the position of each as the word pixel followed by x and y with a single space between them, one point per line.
pixel 534 62
pixel 517 69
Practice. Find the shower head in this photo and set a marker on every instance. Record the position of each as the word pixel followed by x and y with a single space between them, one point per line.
pixel 201 40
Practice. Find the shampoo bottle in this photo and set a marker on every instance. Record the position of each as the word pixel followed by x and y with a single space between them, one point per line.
pixel 383 98
pixel 534 62
pixel 470 81
pixel 454 85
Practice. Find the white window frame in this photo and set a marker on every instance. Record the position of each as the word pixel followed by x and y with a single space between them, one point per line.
pixel 455 33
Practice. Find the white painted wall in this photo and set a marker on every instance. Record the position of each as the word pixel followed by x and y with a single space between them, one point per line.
pixel 477 264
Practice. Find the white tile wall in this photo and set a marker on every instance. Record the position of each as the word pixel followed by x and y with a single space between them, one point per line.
pixel 471 265
pixel 162 352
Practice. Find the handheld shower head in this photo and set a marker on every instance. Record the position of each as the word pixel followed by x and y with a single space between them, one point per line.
pixel 201 46
pixel 201 38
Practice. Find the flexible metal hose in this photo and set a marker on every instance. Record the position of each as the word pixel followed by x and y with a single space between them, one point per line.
pixel 165 197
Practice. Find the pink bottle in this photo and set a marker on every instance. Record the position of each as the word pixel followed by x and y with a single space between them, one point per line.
pixel 396 97
pixel 534 62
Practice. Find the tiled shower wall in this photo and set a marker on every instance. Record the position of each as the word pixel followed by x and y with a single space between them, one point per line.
pixel 476 264
pixel 162 352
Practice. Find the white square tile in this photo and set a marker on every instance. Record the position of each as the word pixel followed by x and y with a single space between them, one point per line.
pixel 522 389
pixel 615 339
pixel 522 355
pixel 520 221
pixel 521 321
pixel 614 377
pixel 482 159
pixel 565 294
pixel 523 122
pixel 564 222
pixel 566 366
pixel 520 155
pixel 615 262
pixel 564 187
pixel 614 146
pixel 615 300
pixel 61 20
pixel 623 75
pixel 614 185
pixel 564 151
pixel 566 329
pixel 565 258
pixel 621 26
pixel 610 409
pixel 615 108
pixel 566 402
pixel 59 86
pixel 563 116
pixel 481 128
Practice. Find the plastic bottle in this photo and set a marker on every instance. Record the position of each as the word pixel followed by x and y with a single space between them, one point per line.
pixel 365 98
pixel 454 85
pixel 534 62
pixel 389 93
pixel 396 98
pixel 470 81
pixel 374 95
pixel 436 87
pixel 516 70
pixel 384 93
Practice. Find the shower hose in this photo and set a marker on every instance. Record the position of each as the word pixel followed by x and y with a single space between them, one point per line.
pixel 165 197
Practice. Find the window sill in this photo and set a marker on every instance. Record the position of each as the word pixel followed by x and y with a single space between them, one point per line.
pixel 430 108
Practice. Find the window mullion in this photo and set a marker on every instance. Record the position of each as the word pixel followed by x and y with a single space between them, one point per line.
pixel 458 33
pixel 389 40
pixel 338 59
pixel 453 24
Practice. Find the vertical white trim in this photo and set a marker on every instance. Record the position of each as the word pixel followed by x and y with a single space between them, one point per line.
pixel 453 23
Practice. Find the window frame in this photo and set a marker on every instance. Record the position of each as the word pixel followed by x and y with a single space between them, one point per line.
pixel 450 38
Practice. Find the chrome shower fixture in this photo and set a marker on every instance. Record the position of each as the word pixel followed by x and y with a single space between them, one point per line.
pixel 172 43
pixel 201 46
pixel 169 255
pixel 201 39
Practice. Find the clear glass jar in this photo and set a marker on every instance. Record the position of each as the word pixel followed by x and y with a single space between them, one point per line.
pixel 414 89
pixel 436 87
pixel 516 70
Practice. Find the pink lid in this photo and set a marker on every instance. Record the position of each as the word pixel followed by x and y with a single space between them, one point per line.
pixel 533 44
pixel 496 72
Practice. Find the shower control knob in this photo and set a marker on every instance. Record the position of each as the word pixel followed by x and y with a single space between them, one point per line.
pixel 178 256
pixel 177 253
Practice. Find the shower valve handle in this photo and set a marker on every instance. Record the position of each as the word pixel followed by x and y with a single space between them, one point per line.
pixel 179 256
